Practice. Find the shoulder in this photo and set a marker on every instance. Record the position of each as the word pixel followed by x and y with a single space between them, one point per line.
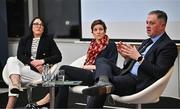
pixel 111 43
pixel 24 38
pixel 48 40
pixel 47 37
pixel 166 40
pixel 111 46
pixel 165 43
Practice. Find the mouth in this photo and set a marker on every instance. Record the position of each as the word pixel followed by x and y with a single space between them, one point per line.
pixel 38 30
pixel 148 30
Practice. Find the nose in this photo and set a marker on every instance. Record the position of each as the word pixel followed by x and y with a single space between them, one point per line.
pixel 147 25
pixel 98 31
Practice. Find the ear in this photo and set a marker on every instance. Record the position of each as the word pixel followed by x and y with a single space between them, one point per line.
pixel 163 25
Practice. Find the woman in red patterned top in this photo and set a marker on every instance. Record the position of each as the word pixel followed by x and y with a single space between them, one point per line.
pixel 100 47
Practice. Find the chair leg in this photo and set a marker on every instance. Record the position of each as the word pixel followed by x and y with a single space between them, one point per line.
pixel 138 106
pixel 29 94
pixel 52 97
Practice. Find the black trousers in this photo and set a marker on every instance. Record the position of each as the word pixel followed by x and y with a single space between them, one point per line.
pixel 124 84
pixel 72 73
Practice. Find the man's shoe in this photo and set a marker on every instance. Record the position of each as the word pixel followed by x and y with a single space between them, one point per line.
pixel 16 89
pixel 100 88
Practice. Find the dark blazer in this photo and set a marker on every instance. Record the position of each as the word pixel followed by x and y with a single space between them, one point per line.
pixel 47 50
pixel 110 52
pixel 158 60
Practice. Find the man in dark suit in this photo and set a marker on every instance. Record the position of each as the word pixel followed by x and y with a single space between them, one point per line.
pixel 142 66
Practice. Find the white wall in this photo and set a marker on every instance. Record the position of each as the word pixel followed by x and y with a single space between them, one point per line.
pixel 71 50
pixel 126 18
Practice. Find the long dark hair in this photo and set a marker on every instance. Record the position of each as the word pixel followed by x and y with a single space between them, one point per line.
pixel 44 34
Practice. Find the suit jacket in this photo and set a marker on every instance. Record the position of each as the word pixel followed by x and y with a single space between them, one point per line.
pixel 157 61
pixel 47 50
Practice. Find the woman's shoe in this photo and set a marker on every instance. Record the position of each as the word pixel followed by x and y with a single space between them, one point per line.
pixel 36 106
pixel 32 106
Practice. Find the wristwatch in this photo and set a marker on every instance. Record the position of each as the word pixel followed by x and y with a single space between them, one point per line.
pixel 139 58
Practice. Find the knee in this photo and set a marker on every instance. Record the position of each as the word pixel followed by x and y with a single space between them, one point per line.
pixel 67 70
pixel 63 67
pixel 11 59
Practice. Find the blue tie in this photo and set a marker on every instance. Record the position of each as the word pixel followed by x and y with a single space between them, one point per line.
pixel 149 42
pixel 131 62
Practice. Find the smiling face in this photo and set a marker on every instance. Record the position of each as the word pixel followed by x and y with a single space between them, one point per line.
pixel 37 28
pixel 154 26
pixel 98 31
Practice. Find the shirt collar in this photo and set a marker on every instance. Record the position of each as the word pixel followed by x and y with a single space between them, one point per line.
pixel 154 39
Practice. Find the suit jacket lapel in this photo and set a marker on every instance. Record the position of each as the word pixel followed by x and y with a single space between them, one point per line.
pixel 143 43
pixel 156 44
pixel 28 46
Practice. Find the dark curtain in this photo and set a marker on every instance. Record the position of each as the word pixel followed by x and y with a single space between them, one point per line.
pixel 3 37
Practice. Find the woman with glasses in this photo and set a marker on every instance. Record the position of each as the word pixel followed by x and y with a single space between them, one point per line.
pixel 34 51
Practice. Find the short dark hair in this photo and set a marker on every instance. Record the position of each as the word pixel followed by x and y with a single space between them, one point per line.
pixel 160 15
pixel 100 22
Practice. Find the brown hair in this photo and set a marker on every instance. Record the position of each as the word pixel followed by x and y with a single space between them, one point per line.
pixel 98 22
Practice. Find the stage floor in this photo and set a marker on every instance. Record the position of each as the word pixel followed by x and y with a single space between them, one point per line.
pixel 79 101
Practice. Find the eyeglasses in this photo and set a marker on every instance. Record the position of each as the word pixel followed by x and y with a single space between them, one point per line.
pixel 38 24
